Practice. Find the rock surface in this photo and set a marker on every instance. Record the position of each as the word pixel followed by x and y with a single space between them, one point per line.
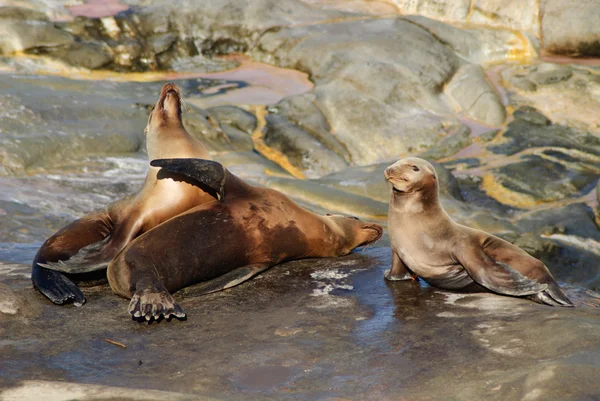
pixel 516 147
pixel 309 330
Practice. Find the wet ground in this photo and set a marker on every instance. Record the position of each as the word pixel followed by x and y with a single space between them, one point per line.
pixel 71 141
pixel 328 329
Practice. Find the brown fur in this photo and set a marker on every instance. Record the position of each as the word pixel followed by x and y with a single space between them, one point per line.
pixel 426 242
pixel 160 198
pixel 253 226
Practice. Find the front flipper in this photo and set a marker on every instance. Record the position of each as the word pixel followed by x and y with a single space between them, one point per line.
pixel 207 173
pixel 227 280
pixel 88 259
pixel 153 301
pixel 57 287
pixel 97 256
pixel 496 276
pixel 399 271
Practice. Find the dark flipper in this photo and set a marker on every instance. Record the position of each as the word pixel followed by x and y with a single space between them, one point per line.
pixel 56 286
pixel 152 301
pixel 553 296
pixel 497 276
pixel 227 280
pixel 67 242
pixel 207 174
pixel 89 258
pixel 399 271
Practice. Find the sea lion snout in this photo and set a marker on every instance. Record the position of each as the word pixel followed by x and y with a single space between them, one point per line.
pixel 410 174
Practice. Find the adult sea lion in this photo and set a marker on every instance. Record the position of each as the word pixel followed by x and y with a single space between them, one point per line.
pixel 225 243
pixel 426 242
pixel 92 241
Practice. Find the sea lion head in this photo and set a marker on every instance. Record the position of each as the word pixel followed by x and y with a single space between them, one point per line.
pixel 353 231
pixel 166 112
pixel 411 175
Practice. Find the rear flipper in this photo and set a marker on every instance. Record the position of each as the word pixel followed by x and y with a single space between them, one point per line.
pixel 97 256
pixel 207 174
pixel 227 280
pixel 65 243
pixel 153 301
pixel 90 258
pixel 56 286
pixel 552 296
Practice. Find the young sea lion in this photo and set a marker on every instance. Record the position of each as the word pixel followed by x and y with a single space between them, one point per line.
pixel 426 242
pixel 91 242
pixel 225 243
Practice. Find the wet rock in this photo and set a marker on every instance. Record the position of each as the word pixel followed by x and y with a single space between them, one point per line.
pixel 125 53
pixel 545 180
pixel 475 96
pixel 308 321
pixel 301 149
pixel 160 43
pixel 29 389
pixel 571 28
pixel 450 144
pixel 37 134
pixel 480 45
pixel 548 74
pixel 573 92
pixel 531 129
pixel 514 14
pixel 331 199
pixel 19 13
pixel 234 117
pixel 369 181
pixel 401 107
pixel 26 35
pixel 10 302
pixel 90 55
pixel 574 250
pixel 302 111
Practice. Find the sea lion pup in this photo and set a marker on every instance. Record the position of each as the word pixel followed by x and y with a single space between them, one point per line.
pixel 92 241
pixel 426 242
pixel 225 243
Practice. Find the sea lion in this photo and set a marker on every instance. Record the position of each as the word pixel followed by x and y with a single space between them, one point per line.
pixel 426 242
pixel 92 241
pixel 226 242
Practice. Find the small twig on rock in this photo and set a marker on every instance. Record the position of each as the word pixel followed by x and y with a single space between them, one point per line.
pixel 115 343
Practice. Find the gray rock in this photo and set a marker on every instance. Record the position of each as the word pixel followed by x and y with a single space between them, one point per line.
pixel 369 181
pixel 234 117
pixel 161 42
pixel 22 14
pixel 301 149
pixel 571 28
pixel 548 74
pixel 18 35
pixel 289 332
pixel 531 129
pixel 90 55
pixel 475 96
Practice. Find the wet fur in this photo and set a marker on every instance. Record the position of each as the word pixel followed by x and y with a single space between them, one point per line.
pixel 92 241
pixel 426 242
pixel 252 227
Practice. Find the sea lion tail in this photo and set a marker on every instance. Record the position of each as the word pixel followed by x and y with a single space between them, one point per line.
pixel 88 259
pixel 57 287
pixel 207 174
pixel 554 296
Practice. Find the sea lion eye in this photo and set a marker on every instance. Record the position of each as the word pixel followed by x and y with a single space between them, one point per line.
pixel 353 217
pixel 415 168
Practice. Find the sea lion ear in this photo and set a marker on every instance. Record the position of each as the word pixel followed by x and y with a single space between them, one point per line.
pixel 206 174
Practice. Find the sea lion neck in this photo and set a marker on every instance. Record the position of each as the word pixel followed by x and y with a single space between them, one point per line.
pixel 416 202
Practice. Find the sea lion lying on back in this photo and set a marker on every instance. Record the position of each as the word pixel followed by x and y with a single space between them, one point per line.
pixel 91 242
pixel 426 242
pixel 225 243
